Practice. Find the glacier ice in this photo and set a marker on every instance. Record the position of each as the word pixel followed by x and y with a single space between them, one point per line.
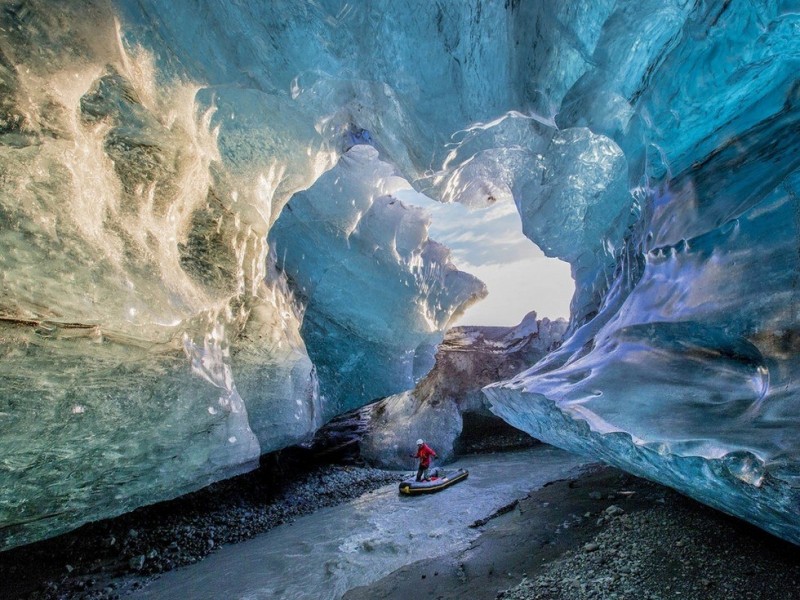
pixel 151 342
pixel 150 345
pixel 467 359
pixel 377 292
pixel 686 372
pixel 137 308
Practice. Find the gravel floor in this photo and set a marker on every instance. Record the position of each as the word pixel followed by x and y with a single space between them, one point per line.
pixel 109 558
pixel 604 535
pixel 672 550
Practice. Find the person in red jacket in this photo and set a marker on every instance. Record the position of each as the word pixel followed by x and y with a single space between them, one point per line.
pixel 424 454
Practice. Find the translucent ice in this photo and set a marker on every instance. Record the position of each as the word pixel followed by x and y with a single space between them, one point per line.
pixel 137 310
pixel 687 372
pixel 377 292
pixel 150 344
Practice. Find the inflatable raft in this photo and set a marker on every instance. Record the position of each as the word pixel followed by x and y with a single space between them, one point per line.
pixel 439 479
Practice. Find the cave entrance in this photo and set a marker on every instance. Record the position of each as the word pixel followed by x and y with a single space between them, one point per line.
pixel 488 242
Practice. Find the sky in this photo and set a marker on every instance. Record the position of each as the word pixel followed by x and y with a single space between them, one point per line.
pixel 489 244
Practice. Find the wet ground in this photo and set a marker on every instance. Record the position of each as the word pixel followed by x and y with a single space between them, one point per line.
pixel 532 525
pixel 324 554
pixel 604 535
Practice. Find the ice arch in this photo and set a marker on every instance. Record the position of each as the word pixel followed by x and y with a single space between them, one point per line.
pixel 149 345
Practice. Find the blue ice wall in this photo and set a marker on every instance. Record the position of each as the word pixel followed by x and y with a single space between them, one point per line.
pixel 687 373
pixel 151 342
pixel 377 292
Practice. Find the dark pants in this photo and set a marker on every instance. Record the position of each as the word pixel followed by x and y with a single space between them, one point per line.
pixel 422 473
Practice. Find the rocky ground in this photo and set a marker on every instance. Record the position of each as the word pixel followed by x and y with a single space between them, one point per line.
pixel 110 558
pixel 605 536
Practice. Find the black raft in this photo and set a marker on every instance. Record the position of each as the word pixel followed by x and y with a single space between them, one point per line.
pixel 439 480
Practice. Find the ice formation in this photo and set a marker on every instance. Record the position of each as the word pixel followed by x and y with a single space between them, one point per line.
pixel 151 343
pixel 377 291
pixel 448 400
pixel 686 372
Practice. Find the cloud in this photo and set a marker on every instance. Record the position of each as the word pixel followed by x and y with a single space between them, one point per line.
pixel 489 243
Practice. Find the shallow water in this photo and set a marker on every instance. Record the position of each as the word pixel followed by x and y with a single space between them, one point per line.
pixel 324 554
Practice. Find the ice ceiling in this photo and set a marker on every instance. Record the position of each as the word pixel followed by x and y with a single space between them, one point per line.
pixel 203 259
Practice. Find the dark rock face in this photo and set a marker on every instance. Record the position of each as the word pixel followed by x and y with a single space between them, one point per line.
pixel 447 407
pixel 482 432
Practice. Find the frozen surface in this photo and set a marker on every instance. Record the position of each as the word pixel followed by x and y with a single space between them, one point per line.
pixel 467 359
pixel 333 550
pixel 377 292
pixel 687 372
pixel 150 344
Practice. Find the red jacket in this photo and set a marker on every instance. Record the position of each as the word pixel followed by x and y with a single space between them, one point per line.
pixel 424 454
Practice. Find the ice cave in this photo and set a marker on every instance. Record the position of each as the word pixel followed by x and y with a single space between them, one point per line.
pixel 207 250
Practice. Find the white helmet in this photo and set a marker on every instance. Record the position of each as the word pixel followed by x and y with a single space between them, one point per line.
pixel 420 442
